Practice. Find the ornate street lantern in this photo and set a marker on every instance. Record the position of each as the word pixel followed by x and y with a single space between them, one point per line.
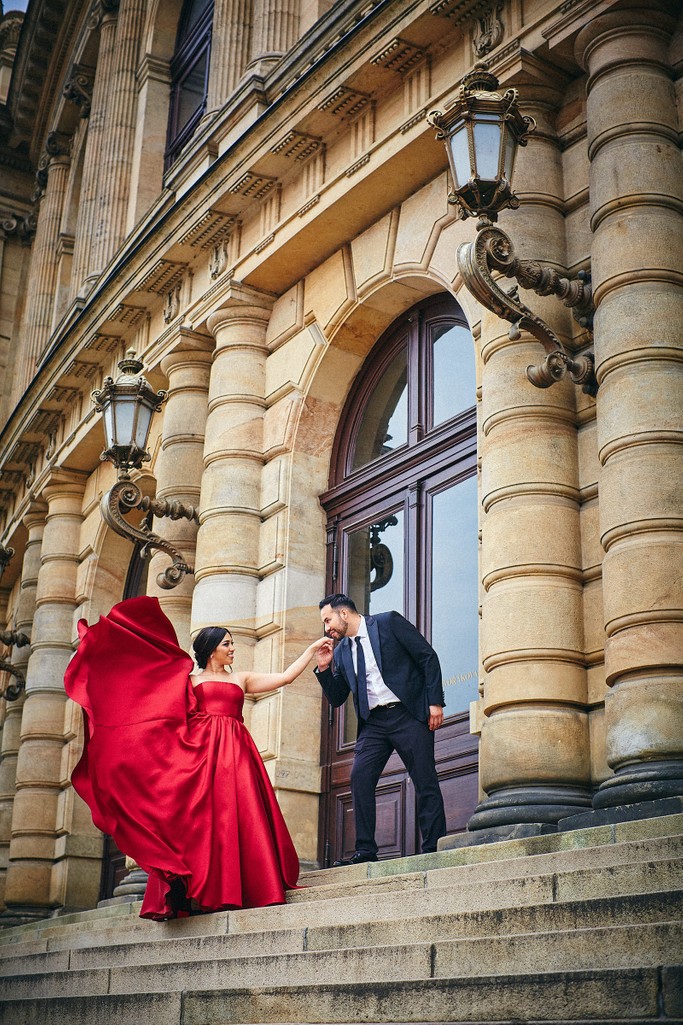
pixel 128 405
pixel 482 129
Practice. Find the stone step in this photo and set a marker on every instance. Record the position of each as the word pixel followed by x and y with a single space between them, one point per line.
pixel 502 866
pixel 395 898
pixel 439 893
pixel 641 909
pixel 616 947
pixel 625 946
pixel 635 995
pixel 84 927
pixel 492 861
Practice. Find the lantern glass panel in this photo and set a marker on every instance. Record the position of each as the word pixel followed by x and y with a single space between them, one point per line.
pixel 124 419
pixel 510 149
pixel 460 155
pixel 144 419
pixel 487 131
pixel 108 417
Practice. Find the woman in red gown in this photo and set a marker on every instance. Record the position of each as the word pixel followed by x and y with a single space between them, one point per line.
pixel 168 767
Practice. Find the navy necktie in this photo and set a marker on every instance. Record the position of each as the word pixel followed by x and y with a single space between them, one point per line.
pixel 362 680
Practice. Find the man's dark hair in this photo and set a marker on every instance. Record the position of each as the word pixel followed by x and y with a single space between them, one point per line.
pixel 338 601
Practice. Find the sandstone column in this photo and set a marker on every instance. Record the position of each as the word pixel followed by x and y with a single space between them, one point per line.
pixel 31 891
pixel 275 28
pixel 226 574
pixel 534 756
pixel 636 207
pixel 34 521
pixel 43 274
pixel 113 183
pixel 230 49
pixel 179 466
pixel 82 265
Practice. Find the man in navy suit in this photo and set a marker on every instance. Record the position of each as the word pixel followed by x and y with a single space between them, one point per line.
pixel 395 678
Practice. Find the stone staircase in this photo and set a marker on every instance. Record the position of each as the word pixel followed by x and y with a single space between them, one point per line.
pixel 575 927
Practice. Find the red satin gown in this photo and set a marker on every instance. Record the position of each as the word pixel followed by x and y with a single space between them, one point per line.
pixel 171 772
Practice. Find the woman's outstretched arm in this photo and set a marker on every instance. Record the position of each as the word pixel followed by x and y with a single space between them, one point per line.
pixel 261 683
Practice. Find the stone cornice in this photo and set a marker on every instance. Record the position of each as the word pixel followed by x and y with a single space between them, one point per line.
pixel 39 65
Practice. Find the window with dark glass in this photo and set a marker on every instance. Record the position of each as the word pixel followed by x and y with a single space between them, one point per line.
pixel 189 75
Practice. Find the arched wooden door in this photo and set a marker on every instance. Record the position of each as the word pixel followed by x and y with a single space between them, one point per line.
pixel 402 534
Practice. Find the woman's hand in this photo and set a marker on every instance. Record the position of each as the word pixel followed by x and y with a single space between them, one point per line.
pixel 325 650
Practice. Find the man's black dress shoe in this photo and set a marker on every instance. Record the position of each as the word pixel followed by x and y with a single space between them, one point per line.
pixel 358 859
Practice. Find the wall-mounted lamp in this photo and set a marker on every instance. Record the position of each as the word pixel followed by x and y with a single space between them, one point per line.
pixel 13 690
pixel 128 405
pixel 481 130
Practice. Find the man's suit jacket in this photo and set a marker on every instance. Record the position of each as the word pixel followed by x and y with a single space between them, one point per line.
pixel 408 664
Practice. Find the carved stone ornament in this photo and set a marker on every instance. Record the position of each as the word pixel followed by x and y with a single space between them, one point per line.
pixel 78 89
pixel 492 250
pixel 99 9
pixel 488 30
pixel 172 306
pixel 23 227
pixel 219 259
pixel 10 29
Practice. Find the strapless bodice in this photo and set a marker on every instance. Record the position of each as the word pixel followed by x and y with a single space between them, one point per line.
pixel 214 697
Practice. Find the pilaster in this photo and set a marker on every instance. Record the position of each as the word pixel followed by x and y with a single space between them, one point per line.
pixel 226 572
pixel 230 49
pixel 114 179
pixel 44 262
pixel 179 466
pixel 82 264
pixel 34 521
pixel 30 891
pixel 637 223
pixel 534 755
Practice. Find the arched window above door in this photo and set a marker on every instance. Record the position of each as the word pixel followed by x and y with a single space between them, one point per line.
pixel 419 382
pixel 189 74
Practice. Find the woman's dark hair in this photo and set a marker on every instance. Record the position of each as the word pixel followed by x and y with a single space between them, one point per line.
pixel 206 642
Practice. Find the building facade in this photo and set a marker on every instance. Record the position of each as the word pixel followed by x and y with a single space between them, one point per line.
pixel 248 195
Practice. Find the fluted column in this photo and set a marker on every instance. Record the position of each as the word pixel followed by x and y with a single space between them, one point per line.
pixel 113 183
pixel 230 49
pixel 32 889
pixel 44 264
pixel 179 467
pixel 34 521
pixel 534 755
pixel 226 574
pixel 82 265
pixel 637 221
pixel 275 28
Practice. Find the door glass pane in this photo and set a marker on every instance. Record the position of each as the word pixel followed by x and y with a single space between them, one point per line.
pixel 454 378
pixel 455 592
pixel 384 424
pixel 375 575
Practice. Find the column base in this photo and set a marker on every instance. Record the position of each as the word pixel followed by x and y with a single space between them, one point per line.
pixel 131 887
pixel 644 781
pixel 514 806
pixel 24 914
pixel 622 813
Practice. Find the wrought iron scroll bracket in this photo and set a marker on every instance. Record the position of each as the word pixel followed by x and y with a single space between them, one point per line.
pixel 493 250
pixel 125 496
pixel 13 690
